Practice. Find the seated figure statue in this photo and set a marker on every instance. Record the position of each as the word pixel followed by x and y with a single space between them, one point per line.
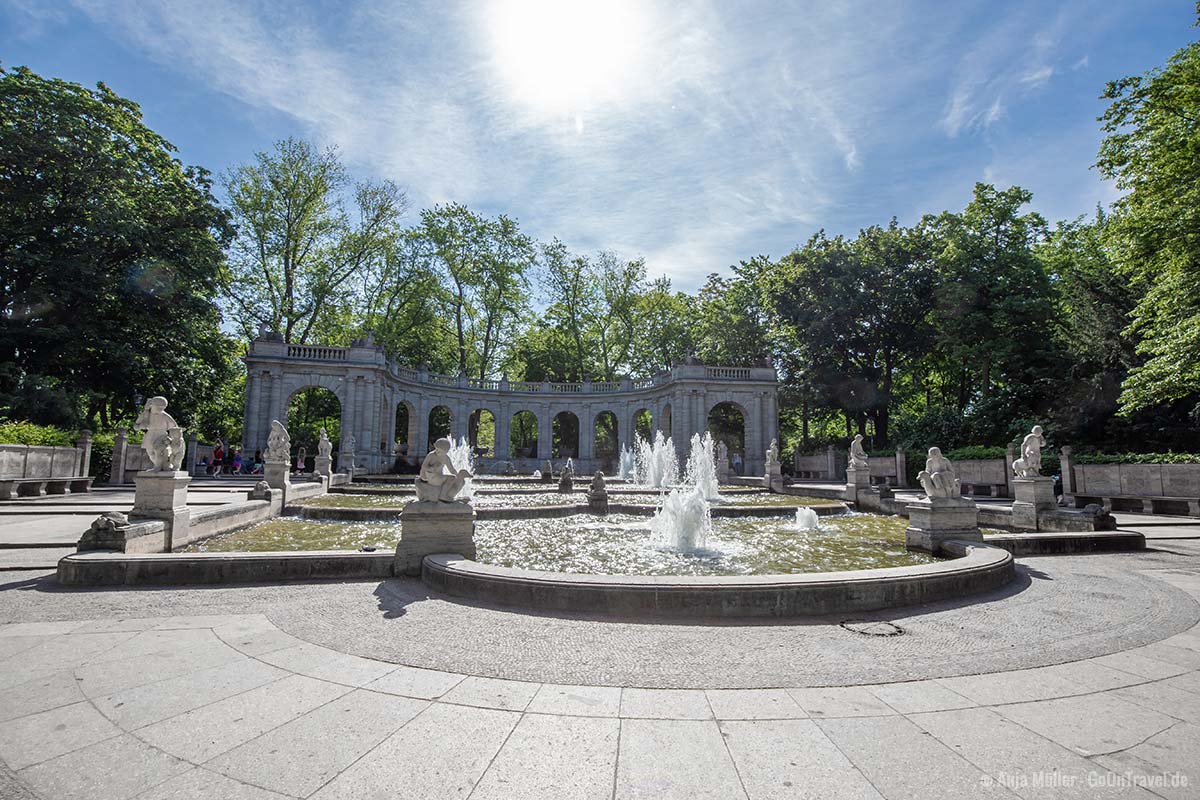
pixel 938 478
pixel 858 456
pixel 163 442
pixel 438 481
pixel 1029 465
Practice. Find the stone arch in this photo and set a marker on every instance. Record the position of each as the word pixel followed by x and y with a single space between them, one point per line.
pixel 726 421
pixel 523 434
pixel 565 430
pixel 407 425
pixel 643 424
pixel 481 431
pixel 605 439
pixel 441 423
pixel 309 408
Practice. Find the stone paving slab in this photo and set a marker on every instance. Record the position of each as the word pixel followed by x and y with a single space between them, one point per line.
pixel 201 694
pixel 267 730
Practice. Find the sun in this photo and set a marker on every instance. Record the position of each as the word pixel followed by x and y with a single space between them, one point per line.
pixel 564 56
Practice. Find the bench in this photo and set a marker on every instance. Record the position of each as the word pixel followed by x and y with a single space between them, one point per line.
pixel 12 488
pixel 1139 503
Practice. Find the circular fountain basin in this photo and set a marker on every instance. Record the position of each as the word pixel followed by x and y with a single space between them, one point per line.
pixel 975 568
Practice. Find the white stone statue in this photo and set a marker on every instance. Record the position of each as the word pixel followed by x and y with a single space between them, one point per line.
pixel 1029 465
pixel 722 453
pixel 351 443
pixel 773 452
pixel 858 456
pixel 279 444
pixel 938 478
pixel 163 442
pixel 438 481
pixel 324 446
pixel 598 484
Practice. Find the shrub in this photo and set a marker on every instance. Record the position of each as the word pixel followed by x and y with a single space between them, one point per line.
pixel 20 432
pixel 973 452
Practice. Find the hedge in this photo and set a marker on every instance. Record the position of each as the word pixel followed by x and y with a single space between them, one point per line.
pixel 1136 458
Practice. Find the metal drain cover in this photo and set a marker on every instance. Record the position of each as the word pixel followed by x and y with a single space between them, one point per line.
pixel 871 627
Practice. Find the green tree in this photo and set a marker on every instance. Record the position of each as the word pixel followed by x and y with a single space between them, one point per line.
pixel 110 259
pixel 995 314
pixel 297 244
pixel 852 314
pixel 1151 152
pixel 1096 302
pixel 484 266
pixel 731 326
pixel 664 328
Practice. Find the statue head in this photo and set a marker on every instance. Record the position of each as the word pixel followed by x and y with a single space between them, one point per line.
pixel 156 403
pixel 324 435
pixel 1037 430
pixel 442 445
pixel 935 452
pixel 858 437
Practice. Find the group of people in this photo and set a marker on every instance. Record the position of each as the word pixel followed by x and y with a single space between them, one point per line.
pixel 232 462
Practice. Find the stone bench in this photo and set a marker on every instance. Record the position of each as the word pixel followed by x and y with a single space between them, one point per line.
pixel 1139 503
pixel 12 488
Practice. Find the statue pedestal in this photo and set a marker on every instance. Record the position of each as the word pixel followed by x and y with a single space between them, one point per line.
pixel 1031 495
pixel 773 477
pixel 565 484
pixel 323 465
pixel 547 472
pixel 935 519
pixel 597 502
pixel 723 471
pixel 428 527
pixel 857 480
pixel 278 476
pixel 163 495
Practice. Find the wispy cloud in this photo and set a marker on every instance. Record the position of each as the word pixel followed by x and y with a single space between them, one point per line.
pixel 714 132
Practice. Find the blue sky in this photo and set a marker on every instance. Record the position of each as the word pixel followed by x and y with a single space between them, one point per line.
pixel 692 133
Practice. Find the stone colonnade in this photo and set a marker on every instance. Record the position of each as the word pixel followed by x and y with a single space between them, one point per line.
pixel 370 389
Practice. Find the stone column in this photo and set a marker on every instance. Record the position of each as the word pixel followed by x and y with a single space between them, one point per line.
pixel 1010 455
pixel 830 463
pixel 84 445
pixel 349 422
pixel 277 402
pixel 1067 467
pixel 503 433
pixel 193 444
pixel 587 433
pixel 116 470
pixel 901 469
pixel 545 449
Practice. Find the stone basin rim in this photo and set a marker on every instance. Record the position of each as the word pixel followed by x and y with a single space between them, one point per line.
pixel 965 557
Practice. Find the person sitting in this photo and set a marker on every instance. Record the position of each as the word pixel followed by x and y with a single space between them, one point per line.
pixel 237 463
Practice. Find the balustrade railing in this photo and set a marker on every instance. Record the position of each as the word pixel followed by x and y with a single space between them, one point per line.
pixel 320 353
pixel 728 373
pixel 316 353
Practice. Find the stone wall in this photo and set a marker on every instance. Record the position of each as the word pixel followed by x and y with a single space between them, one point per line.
pixel 29 461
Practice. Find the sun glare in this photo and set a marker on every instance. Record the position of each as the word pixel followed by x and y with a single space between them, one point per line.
pixel 564 56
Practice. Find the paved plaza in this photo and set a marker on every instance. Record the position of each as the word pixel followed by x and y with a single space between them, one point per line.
pixel 1080 680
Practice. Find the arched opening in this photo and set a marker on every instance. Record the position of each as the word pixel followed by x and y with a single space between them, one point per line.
pixel 523 435
pixel 565 440
pixel 481 432
pixel 604 448
pixel 643 424
pixel 406 418
pixel 309 410
pixel 440 422
pixel 664 424
pixel 727 423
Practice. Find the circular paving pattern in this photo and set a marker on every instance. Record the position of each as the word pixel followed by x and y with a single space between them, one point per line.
pixel 1059 609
